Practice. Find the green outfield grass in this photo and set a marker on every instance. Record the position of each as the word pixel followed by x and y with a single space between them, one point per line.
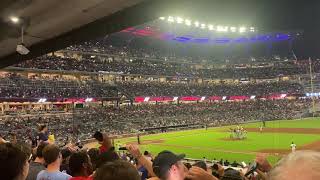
pixel 298 123
pixel 210 144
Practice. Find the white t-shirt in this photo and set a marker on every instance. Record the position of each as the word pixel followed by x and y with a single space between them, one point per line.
pixel 293 147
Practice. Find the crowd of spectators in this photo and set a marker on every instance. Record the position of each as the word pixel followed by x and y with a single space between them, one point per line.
pixel 134 51
pixel 112 66
pixel 142 118
pixel 146 61
pixel 168 52
pixel 180 89
pixel 147 67
pixel 63 158
pixel 13 85
pixel 71 162
pixel 48 146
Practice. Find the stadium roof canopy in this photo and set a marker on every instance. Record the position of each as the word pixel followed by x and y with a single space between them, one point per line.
pixel 54 24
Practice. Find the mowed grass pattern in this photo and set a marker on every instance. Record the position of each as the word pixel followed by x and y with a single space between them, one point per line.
pixel 210 144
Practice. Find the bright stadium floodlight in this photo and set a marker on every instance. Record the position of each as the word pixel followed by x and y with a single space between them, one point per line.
pixel 162 18
pixel 197 24
pixel 222 28
pixel 219 28
pixel 203 26
pixel 14 19
pixel 187 22
pixel 179 20
pixel 210 26
pixel 252 29
pixel 233 29
pixel 226 29
pixel 170 19
pixel 242 29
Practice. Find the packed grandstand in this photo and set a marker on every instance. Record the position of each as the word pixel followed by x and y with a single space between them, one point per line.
pixel 54 106
pixel 124 93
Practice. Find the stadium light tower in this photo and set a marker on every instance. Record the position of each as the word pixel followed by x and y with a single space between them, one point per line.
pixel 218 28
pixel 222 28
pixel 187 22
pixel 242 29
pixel 226 29
pixel 210 26
pixel 170 19
pixel 179 20
pixel 233 29
pixel 197 24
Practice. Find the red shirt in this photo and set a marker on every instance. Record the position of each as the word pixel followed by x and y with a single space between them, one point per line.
pixel 103 149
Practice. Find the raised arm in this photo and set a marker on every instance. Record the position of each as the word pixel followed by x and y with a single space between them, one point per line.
pixel 135 152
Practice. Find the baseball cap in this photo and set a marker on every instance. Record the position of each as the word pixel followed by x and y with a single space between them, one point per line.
pixel 163 162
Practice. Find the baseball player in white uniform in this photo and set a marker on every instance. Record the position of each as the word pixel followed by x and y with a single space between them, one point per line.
pixel 293 147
